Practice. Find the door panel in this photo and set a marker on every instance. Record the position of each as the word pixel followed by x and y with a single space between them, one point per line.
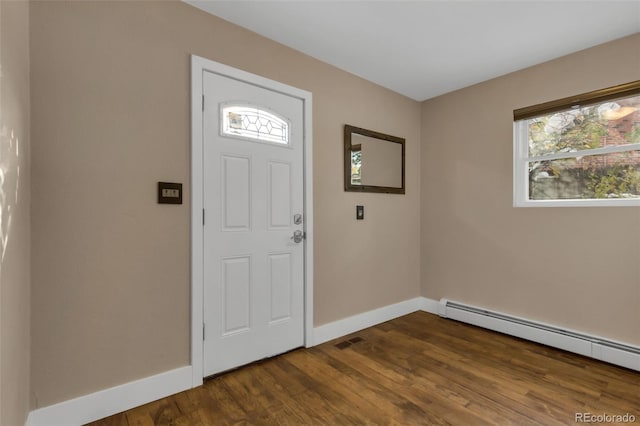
pixel 280 286
pixel 280 213
pixel 253 186
pixel 236 285
pixel 236 190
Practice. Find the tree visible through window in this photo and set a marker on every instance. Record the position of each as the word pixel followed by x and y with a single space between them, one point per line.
pixel 586 153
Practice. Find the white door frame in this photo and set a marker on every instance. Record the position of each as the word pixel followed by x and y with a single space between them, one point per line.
pixel 198 66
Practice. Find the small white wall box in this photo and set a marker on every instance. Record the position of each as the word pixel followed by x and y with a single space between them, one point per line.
pixel 169 193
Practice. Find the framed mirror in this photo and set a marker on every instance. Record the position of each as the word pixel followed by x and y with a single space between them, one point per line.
pixel 373 161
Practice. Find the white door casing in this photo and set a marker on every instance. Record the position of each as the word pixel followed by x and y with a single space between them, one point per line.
pixel 251 283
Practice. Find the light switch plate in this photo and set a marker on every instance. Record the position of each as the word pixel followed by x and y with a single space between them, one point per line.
pixel 169 193
pixel 360 212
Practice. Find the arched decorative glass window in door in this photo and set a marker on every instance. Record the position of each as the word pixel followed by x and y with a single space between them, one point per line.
pixel 251 122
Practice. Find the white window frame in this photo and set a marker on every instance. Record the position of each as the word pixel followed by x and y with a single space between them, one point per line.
pixel 521 157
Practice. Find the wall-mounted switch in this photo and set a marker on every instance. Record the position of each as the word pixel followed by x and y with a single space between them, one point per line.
pixel 359 212
pixel 169 193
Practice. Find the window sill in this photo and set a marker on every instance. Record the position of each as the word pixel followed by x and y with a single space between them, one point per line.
pixel 611 202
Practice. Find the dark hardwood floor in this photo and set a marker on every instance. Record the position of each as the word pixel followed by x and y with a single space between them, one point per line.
pixel 416 370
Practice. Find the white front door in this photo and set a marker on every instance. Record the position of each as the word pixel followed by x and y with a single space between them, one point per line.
pixel 253 250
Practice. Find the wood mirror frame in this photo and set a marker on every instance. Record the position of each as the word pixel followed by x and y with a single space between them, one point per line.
pixel 382 183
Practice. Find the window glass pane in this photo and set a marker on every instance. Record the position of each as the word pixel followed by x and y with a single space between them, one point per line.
pixel 609 176
pixel 254 123
pixel 596 126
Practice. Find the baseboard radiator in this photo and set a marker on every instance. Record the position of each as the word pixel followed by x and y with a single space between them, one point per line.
pixel 592 346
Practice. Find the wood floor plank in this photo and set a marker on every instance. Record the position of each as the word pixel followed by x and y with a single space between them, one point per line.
pixel 419 369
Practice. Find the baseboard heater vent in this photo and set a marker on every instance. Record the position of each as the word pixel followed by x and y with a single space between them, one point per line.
pixel 592 346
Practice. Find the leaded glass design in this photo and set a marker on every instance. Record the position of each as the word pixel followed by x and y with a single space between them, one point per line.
pixel 248 121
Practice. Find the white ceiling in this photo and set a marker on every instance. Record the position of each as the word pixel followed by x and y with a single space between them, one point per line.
pixel 422 49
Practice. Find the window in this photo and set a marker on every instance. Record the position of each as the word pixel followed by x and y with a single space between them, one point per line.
pixel 250 122
pixel 579 151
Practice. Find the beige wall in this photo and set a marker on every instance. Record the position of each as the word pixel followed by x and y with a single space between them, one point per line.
pixel 574 267
pixel 14 215
pixel 110 106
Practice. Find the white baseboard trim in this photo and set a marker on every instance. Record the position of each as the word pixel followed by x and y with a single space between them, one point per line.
pixel 104 403
pixel 430 305
pixel 349 325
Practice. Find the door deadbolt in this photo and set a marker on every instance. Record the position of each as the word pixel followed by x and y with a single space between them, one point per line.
pixel 297 219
